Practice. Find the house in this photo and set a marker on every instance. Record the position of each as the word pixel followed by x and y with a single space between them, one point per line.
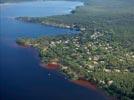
pixel 83 29
pixel 110 82
pixel 117 70
pixel 106 70
pixel 96 58
pixel 91 66
pixel 95 62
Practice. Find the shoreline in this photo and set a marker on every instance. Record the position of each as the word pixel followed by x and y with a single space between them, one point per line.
pixel 92 86
pixel 85 83
pixel 47 22
pixel 81 81
pixel 50 66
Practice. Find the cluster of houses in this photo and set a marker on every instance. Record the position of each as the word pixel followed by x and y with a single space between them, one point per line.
pixel 94 59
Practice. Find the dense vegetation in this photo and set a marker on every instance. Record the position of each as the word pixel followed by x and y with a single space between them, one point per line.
pixel 103 51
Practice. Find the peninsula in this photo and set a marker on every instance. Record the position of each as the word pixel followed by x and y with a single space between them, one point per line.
pixel 102 52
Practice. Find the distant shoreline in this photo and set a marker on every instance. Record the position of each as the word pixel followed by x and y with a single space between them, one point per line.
pixel 8 2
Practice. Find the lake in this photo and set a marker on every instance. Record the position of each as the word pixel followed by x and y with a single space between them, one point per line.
pixel 22 77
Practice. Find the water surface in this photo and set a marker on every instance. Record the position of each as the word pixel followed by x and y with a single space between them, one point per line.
pixel 38 9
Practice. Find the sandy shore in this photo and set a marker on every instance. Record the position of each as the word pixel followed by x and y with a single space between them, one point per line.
pixel 85 83
pixel 50 66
